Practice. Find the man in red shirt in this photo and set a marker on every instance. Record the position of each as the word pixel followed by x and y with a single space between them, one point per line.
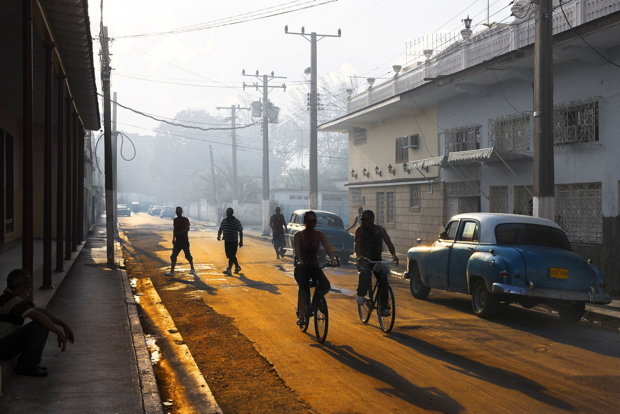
pixel 180 241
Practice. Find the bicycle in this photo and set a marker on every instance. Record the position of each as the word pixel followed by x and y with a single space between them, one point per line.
pixel 386 315
pixel 320 314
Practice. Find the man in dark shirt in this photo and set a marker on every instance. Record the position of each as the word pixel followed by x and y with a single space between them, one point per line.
pixel 180 241
pixel 369 238
pixel 231 227
pixel 28 341
pixel 278 228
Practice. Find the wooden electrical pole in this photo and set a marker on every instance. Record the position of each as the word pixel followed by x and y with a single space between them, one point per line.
pixel 544 201
pixel 313 157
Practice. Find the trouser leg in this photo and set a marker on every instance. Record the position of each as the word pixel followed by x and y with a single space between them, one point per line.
pixel 29 341
pixel 303 294
pixel 363 286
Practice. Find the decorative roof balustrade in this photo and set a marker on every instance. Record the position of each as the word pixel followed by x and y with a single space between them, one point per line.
pixel 481 47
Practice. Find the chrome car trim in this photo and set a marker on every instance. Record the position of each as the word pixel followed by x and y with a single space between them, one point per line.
pixel 591 296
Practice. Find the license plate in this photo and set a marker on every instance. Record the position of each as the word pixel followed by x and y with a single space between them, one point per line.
pixel 558 273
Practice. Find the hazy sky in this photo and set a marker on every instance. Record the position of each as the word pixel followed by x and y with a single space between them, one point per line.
pixel 167 73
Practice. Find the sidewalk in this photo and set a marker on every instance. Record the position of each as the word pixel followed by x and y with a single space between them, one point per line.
pixel 108 368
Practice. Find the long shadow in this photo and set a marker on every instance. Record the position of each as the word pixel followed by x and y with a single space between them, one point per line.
pixel 196 283
pixel 475 369
pixel 581 335
pixel 258 284
pixel 426 398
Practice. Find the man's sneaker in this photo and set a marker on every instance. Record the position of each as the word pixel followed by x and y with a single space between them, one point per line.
pixel 385 311
pixel 237 269
pixel 192 272
pixel 169 274
pixel 302 321
pixel 227 271
pixel 360 300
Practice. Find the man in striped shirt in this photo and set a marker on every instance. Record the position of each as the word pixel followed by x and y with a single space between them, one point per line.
pixel 28 341
pixel 231 227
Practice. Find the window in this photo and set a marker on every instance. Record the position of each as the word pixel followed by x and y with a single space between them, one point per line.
pixel 470 232
pixel 579 211
pixel 356 197
pixel 511 133
pixel 451 229
pixel 498 199
pixel 380 216
pixel 402 152
pixel 575 122
pixel 463 139
pixel 415 201
pixel 359 136
pixel 390 208
pixel 521 233
pixel 523 200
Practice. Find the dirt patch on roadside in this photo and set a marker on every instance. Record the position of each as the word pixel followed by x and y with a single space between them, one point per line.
pixel 241 380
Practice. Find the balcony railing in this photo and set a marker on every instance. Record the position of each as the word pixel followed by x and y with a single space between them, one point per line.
pixel 483 46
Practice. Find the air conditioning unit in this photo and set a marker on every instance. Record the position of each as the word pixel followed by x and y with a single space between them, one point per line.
pixel 411 141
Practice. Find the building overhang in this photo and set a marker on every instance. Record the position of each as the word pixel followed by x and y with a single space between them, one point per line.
pixel 484 155
pixel 384 183
pixel 361 118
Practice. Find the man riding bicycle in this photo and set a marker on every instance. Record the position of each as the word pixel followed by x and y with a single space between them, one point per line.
pixel 369 238
pixel 306 246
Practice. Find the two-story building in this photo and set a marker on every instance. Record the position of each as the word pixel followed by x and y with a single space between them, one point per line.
pixel 471 106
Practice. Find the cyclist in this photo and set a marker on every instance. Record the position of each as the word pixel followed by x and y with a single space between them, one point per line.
pixel 306 247
pixel 369 238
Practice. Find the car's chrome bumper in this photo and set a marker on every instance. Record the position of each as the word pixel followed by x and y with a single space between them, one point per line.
pixel 535 292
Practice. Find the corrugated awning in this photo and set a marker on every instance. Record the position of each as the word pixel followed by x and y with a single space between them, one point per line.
pixel 484 154
pixel 427 162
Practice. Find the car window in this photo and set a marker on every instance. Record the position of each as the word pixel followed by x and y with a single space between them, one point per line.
pixel 324 220
pixel 470 232
pixel 451 229
pixel 521 233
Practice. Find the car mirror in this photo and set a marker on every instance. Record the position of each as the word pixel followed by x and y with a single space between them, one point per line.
pixel 418 240
pixel 443 235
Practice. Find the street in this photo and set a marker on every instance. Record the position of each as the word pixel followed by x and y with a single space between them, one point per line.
pixel 242 334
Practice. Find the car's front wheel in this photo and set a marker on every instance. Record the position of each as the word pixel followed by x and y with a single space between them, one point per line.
pixel 572 312
pixel 483 302
pixel 418 289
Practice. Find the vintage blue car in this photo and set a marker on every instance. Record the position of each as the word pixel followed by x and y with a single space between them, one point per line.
pixel 331 225
pixel 506 258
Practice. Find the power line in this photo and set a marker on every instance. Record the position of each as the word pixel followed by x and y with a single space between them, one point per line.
pixel 233 20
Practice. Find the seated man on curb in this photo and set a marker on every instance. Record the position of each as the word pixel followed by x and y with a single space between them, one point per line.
pixel 28 340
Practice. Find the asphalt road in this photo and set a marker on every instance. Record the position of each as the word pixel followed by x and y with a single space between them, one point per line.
pixel 439 357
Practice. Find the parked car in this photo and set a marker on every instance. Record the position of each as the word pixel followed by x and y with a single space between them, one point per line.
pixel 167 212
pixel 505 258
pixel 122 210
pixel 155 210
pixel 333 228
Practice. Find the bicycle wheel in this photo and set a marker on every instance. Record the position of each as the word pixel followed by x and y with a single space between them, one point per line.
pixel 365 310
pixel 387 315
pixel 321 320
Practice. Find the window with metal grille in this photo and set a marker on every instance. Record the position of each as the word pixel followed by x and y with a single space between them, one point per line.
pixel 578 209
pixel 463 138
pixel 356 197
pixel 402 152
pixel 380 213
pixel 575 122
pixel 359 136
pixel 522 202
pixel 415 198
pixel 511 132
pixel 390 208
pixel 498 199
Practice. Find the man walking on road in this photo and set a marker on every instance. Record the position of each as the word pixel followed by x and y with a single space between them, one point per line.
pixel 180 241
pixel 231 227
pixel 278 228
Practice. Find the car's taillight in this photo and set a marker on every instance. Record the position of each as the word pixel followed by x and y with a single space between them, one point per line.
pixel 504 274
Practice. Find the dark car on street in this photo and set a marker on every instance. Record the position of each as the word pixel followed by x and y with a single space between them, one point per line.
pixel 331 225
pixel 123 210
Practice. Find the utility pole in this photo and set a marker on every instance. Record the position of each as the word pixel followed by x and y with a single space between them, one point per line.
pixel 544 201
pixel 213 178
pixel 265 125
pixel 233 130
pixel 313 157
pixel 115 157
pixel 110 212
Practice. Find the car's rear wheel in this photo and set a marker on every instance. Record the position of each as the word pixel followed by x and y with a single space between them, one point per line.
pixel 484 303
pixel 418 289
pixel 572 312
